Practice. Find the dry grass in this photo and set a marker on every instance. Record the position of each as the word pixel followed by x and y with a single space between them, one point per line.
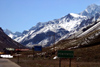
pixel 55 63
pixel 88 57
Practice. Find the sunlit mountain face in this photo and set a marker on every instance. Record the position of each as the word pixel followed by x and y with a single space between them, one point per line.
pixel 48 33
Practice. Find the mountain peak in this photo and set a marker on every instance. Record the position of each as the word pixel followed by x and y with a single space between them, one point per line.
pixel 7 31
pixel 11 34
pixel 93 5
pixel 75 15
pixel 62 28
pixel 91 10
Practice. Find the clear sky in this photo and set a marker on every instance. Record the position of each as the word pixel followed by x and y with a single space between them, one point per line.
pixel 20 15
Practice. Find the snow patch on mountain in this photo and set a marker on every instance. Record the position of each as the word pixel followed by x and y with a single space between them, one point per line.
pixel 11 34
pixel 76 15
pixel 40 34
pixel 91 10
pixel 44 32
pixel 95 27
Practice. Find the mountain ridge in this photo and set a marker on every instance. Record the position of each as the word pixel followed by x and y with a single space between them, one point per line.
pixel 65 23
pixel 91 10
pixel 68 24
pixel 7 42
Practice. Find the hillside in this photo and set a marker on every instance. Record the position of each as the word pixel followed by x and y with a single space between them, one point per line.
pixel 50 32
pixel 67 27
pixel 90 39
pixel 43 33
pixel 86 48
pixel 7 42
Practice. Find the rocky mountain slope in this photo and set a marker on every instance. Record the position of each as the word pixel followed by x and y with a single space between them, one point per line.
pixel 48 33
pixel 91 10
pixel 7 42
pixel 90 37
pixel 11 34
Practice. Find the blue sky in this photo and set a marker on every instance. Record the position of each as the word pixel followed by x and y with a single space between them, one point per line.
pixel 20 15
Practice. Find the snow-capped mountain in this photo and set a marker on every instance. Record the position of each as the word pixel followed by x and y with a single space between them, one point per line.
pixel 91 10
pixel 11 34
pixel 48 33
pixel 88 24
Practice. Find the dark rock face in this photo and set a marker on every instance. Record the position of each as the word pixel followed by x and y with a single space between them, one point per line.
pixel 7 42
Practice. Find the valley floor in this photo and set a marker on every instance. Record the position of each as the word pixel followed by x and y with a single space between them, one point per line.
pixel 54 63
pixel 83 57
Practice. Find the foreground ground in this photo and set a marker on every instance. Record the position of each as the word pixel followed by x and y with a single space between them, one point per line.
pixel 54 63
pixel 7 63
pixel 83 57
